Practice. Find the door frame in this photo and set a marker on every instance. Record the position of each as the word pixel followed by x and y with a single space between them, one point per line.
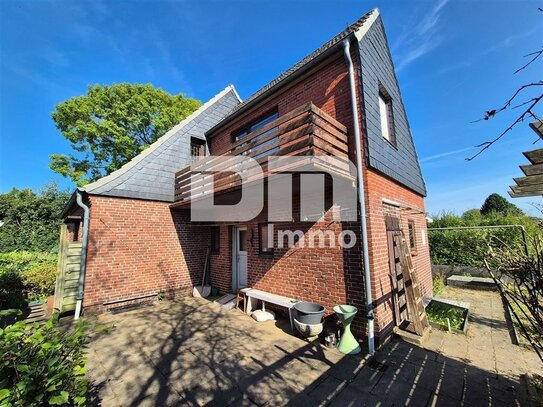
pixel 235 247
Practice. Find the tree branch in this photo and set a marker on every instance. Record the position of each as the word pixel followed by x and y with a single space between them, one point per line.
pixel 528 112
pixel 535 54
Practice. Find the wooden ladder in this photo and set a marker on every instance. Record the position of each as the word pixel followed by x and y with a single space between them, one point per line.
pixel 415 303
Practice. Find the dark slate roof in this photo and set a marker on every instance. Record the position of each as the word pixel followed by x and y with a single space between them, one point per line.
pixel 150 175
pixel 297 68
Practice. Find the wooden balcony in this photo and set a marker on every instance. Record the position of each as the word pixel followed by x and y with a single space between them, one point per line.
pixel 306 131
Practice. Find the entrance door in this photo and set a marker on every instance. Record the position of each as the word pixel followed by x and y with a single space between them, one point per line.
pixel 239 258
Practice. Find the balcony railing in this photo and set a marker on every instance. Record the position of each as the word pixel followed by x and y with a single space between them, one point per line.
pixel 305 131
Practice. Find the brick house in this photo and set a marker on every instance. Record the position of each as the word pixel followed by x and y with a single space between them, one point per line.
pixel 142 241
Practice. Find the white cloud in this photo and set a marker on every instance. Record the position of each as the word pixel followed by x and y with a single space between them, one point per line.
pixel 421 38
pixel 445 154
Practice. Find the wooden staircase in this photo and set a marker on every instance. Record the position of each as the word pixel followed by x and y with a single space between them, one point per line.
pixel 37 313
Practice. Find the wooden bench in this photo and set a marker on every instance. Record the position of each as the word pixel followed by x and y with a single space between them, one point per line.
pixel 254 295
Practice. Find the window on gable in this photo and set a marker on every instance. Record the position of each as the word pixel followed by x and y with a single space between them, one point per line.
pixel 254 126
pixel 265 236
pixel 387 119
pixel 197 148
pixel 412 235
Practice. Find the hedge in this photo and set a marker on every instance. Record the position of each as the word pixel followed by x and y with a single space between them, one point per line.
pixel 26 276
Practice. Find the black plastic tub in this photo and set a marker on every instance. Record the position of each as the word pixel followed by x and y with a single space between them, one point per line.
pixel 309 313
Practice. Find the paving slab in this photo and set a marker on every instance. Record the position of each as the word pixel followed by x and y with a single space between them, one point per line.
pixel 191 352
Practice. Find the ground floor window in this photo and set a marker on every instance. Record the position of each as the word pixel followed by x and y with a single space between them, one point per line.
pixel 215 238
pixel 265 233
pixel 412 235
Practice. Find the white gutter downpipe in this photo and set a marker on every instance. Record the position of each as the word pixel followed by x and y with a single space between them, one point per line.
pixel 84 241
pixel 361 199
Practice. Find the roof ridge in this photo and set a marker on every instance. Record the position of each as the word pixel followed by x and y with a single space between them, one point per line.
pixel 352 28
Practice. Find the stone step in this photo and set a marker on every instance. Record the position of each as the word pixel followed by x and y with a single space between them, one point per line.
pixel 476 283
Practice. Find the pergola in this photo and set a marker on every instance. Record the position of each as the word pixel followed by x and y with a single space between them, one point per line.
pixel 532 183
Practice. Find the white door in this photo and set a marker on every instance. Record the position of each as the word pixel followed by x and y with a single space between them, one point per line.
pixel 239 260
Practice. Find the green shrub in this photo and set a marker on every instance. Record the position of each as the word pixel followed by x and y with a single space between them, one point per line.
pixel 42 365
pixel 469 247
pixel 39 281
pixel 22 261
pixel 11 290
pixel 26 275
pixel 439 283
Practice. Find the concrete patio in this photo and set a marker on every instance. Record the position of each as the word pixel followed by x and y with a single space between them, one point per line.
pixel 192 352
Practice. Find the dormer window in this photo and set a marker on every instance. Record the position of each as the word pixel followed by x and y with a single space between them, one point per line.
pixel 387 119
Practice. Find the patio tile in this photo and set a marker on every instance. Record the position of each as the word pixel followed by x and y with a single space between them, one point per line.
pixel 350 397
pixel 190 352
pixel 201 386
pixel 270 390
pixel 325 390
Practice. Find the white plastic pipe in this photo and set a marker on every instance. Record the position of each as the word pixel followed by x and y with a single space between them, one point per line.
pixel 361 199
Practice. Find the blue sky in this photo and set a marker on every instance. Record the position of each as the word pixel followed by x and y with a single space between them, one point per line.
pixel 455 59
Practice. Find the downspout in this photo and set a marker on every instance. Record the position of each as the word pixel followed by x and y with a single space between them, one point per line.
pixel 84 242
pixel 361 198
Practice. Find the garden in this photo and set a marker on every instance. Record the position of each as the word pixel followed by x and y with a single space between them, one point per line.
pixel 41 364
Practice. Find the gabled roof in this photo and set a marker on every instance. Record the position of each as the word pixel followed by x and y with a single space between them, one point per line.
pixel 301 66
pixel 150 175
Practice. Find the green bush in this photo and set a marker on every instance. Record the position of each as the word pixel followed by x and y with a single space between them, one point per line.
pixel 11 290
pixel 438 283
pixel 42 366
pixel 40 280
pixel 26 275
pixel 468 247
pixel 31 219
pixel 22 261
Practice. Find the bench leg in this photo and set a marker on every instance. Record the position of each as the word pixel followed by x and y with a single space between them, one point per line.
pixel 251 304
pixel 291 320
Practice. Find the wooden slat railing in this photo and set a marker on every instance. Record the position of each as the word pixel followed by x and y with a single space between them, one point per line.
pixel 305 131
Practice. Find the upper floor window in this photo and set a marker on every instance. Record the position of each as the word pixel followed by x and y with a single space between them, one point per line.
pixel 387 119
pixel 254 126
pixel 197 148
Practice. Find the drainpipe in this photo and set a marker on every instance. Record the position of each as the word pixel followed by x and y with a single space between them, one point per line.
pixel 84 241
pixel 361 198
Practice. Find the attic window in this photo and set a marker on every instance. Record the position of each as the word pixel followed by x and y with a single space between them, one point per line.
pixel 197 148
pixel 387 119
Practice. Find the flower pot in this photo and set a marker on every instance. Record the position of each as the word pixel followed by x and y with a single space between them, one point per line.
pixel 309 313
pixel 307 330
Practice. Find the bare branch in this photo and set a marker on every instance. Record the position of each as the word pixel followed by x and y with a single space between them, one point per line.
pixel 535 55
pixel 492 113
pixel 487 144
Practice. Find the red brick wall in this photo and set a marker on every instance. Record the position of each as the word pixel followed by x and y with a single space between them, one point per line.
pixel 411 208
pixel 140 247
pixel 329 276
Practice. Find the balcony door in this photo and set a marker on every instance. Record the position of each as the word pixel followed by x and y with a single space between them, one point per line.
pixel 239 257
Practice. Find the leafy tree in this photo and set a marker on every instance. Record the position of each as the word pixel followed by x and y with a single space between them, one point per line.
pixel 29 220
pixel 497 203
pixel 112 124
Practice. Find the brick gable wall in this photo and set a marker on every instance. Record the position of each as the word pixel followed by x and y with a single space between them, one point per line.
pixel 138 248
pixel 329 276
